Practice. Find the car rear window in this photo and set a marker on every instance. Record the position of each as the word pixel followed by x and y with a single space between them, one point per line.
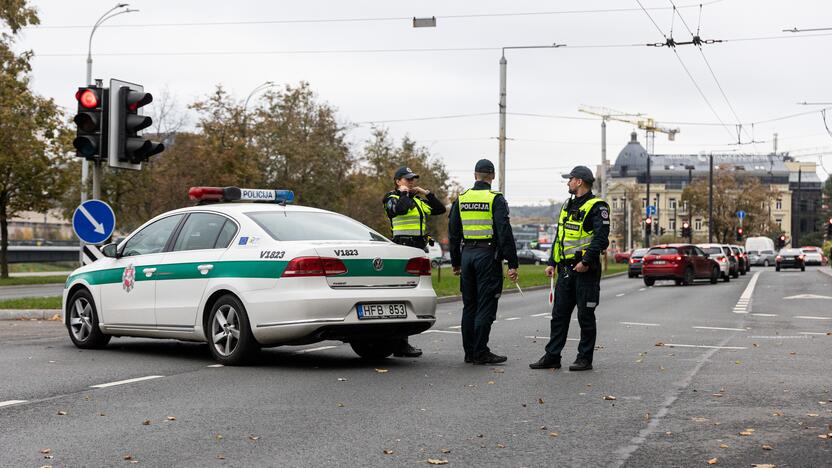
pixel 810 249
pixel 664 251
pixel 639 252
pixel 790 252
pixel 768 252
pixel 312 226
pixel 712 250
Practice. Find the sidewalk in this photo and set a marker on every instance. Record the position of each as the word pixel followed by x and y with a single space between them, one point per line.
pixel 39 273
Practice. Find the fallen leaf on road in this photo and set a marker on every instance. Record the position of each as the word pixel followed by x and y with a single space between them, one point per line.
pixel 445 450
pixel 792 353
pixel 737 362
pixel 723 446
pixel 146 422
pixel 542 428
pixel 220 456
pixel 61 413
pixel 639 361
pixel 171 418
pixel 747 432
pixel 553 434
pixel 501 446
pixel 699 419
pixel 382 371
pixel 717 394
pixel 646 416
pixel 812 415
pixel 713 461
pixel 340 405
pixel 253 438
pixel 102 414
pixel 342 379
pixel 540 400
pixel 668 433
pixel 754 344
pixel 491 382
pixel 497 370
pixel 766 447
pixel 388 452
pixel 777 413
pixel 128 457
pixel 609 397
pixel 659 343
pixel 437 461
pixel 762 465
pixel 823 436
pixel 45 451
pixel 55 318
pixel 218 436
pixel 480 436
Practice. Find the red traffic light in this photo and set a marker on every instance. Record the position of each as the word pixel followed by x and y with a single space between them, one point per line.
pixel 87 98
pixel 830 220
pixel 648 221
pixel 739 230
pixel 685 225
pixel 782 238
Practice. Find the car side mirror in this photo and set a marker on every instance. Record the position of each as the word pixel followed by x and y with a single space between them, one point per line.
pixel 707 255
pixel 110 250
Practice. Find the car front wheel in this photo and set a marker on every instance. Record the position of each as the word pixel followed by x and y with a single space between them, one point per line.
pixel 83 322
pixel 230 338
pixel 373 350
pixel 714 275
pixel 687 279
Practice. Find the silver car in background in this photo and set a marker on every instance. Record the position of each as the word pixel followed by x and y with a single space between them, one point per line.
pixel 761 257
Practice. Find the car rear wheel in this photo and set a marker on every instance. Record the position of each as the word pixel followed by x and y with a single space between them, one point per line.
pixel 735 274
pixel 230 338
pixel 726 278
pixel 649 281
pixel 83 322
pixel 714 275
pixel 373 350
pixel 742 270
pixel 765 263
pixel 687 278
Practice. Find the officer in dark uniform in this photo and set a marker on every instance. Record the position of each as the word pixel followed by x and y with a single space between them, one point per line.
pixel 583 233
pixel 479 224
pixel 408 215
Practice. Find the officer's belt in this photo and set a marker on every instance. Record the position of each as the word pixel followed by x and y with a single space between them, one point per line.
pixel 478 243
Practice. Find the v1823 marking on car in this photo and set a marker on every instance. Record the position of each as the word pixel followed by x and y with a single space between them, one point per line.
pixel 192 274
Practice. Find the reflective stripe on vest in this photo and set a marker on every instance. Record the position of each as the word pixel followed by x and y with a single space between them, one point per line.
pixel 412 223
pixel 569 242
pixel 476 210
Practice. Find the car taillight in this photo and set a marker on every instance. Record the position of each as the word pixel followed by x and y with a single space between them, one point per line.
pixel 722 259
pixel 678 259
pixel 314 266
pixel 778 257
pixel 632 260
pixel 800 257
pixel 418 266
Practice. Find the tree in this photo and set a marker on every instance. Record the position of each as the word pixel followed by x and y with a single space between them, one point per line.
pixel 732 192
pixel 33 137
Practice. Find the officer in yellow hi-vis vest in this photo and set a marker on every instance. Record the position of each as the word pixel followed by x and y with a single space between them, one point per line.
pixel 408 218
pixel 479 224
pixel 583 233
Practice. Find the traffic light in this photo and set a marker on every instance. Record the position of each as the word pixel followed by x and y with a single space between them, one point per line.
pixel 128 149
pixel 686 229
pixel 91 120
pixel 781 241
pixel 829 229
pixel 662 231
pixel 648 223
pixel 739 234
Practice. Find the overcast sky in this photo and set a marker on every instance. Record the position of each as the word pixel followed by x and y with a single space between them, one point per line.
pixel 274 41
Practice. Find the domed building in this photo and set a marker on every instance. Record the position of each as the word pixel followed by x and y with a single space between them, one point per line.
pixel 669 175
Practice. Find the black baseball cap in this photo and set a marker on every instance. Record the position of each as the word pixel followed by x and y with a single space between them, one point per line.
pixel 580 172
pixel 405 172
pixel 485 166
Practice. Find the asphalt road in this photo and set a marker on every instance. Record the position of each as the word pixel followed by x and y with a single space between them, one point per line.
pixel 31 290
pixel 689 368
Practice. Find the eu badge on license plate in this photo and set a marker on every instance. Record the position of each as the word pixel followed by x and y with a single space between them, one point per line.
pixel 381 311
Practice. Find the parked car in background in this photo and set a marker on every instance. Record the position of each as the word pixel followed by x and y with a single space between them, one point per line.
pixel 683 263
pixel 742 261
pixel 436 256
pixel 634 269
pixel 790 258
pixel 622 256
pixel 761 257
pixel 812 255
pixel 720 254
pixel 532 256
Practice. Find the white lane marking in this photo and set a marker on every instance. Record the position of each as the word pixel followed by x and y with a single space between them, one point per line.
pixel 749 290
pixel 546 338
pixel 812 318
pixel 442 331
pixel 720 328
pixel 764 315
pixel 11 402
pixel 512 318
pixel 122 382
pixel 215 365
pixel 812 333
pixel 808 296
pixel 455 327
pixel 738 311
pixel 312 350
pixel 541 315
pixel 619 295
pixel 642 289
pixel 641 324
pixel 677 345
pixel 779 337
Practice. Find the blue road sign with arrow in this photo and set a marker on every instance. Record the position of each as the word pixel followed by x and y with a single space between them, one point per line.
pixel 651 210
pixel 93 221
pixel 741 214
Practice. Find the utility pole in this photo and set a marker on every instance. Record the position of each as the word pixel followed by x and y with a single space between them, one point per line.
pixel 775 144
pixel 629 220
pixel 796 230
pixel 710 198
pixel 647 203
pixel 502 162
pixel 603 174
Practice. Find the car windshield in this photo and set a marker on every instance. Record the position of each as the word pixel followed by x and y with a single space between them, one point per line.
pixel 312 226
pixel 639 252
pixel 711 250
pixel 663 251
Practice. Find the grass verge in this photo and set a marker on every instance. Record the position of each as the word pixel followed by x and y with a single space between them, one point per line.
pixel 42 267
pixel 33 280
pixel 31 303
pixel 530 275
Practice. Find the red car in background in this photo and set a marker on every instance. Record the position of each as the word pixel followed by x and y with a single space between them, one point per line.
pixel 683 263
pixel 622 256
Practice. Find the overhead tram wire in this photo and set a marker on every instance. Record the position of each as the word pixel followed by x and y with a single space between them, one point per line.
pixel 364 20
pixel 669 41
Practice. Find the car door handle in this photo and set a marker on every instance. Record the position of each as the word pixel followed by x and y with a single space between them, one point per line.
pixel 204 269
pixel 148 272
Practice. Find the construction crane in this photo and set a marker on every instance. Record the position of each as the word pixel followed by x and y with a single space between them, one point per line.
pixel 643 123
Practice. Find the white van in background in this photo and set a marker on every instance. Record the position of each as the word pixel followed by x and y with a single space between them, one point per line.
pixel 760 251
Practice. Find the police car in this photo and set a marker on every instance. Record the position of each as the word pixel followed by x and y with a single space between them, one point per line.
pixel 241 276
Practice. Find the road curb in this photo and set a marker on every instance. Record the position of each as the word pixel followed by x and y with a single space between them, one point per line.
pixel 825 272
pixel 446 299
pixel 28 314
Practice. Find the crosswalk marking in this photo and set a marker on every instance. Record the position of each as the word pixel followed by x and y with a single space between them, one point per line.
pixel 122 382
pixel 11 402
pixel 442 331
pixel 312 350
pixel 812 317
pixel 720 328
pixel 641 324
pixel 677 345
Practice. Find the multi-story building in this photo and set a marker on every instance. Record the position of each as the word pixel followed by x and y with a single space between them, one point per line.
pixel 669 175
pixel 807 201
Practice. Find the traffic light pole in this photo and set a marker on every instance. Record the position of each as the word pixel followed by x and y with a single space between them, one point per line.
pixel 710 198
pixel 647 233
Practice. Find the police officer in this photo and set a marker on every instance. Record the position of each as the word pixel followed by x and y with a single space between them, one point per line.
pixel 479 224
pixel 583 233
pixel 408 215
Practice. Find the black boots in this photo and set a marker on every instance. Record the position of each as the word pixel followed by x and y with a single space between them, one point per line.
pixel 546 362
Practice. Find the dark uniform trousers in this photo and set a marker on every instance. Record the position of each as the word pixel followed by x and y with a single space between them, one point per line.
pixel 481 284
pixel 573 288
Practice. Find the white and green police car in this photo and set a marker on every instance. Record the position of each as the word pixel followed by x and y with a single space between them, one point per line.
pixel 241 276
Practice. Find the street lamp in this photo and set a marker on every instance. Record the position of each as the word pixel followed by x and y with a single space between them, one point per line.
pixel 85 164
pixel 502 137
pixel 260 87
